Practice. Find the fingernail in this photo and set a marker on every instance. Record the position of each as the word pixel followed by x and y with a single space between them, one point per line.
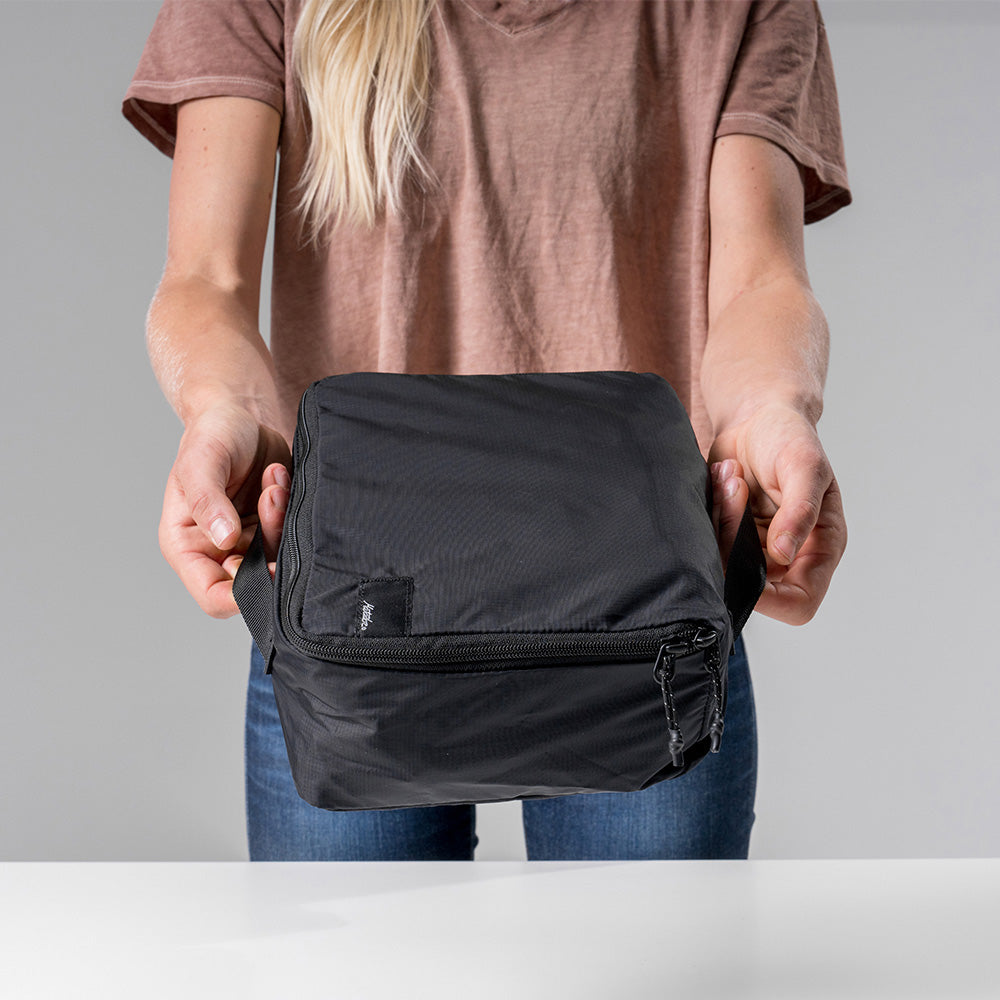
pixel 715 470
pixel 279 498
pixel 220 529
pixel 784 545
pixel 728 468
pixel 282 478
pixel 730 488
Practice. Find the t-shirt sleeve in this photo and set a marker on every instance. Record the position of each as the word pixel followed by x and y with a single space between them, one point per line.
pixel 782 87
pixel 205 48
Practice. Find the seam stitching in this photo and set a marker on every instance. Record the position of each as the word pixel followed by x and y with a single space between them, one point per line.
pixel 790 136
pixel 151 122
pixel 209 79
pixel 822 201
pixel 520 31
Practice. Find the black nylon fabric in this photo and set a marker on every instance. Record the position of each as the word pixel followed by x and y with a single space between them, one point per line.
pixel 475 577
pixel 528 502
pixel 373 739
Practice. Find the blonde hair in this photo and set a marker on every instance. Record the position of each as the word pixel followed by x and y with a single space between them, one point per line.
pixel 364 70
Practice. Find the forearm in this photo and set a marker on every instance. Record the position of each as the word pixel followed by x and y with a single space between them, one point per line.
pixel 206 350
pixel 769 345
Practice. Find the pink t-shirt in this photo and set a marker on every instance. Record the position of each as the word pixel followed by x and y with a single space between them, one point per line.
pixel 572 139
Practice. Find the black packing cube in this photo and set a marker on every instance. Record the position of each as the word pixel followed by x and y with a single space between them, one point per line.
pixel 495 587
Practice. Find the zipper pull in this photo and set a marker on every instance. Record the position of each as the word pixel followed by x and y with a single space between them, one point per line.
pixel 715 732
pixel 707 638
pixel 663 673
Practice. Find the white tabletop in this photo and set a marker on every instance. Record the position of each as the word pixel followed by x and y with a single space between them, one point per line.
pixel 906 929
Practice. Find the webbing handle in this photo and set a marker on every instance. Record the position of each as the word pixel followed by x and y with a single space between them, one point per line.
pixel 253 589
pixel 746 573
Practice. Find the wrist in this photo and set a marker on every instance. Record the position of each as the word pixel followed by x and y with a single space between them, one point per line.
pixel 197 400
pixel 805 403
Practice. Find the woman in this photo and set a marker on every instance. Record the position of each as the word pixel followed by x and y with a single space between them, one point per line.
pixel 487 186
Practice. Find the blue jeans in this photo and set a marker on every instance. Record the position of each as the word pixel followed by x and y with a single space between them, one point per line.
pixel 706 813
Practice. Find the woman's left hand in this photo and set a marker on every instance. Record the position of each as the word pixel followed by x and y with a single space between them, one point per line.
pixel 774 456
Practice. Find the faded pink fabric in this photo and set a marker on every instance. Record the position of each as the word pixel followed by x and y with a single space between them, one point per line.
pixel 572 140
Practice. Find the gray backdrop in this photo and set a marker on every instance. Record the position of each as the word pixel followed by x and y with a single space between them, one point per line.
pixel 122 707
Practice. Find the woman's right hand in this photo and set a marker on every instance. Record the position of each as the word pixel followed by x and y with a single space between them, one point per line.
pixel 231 471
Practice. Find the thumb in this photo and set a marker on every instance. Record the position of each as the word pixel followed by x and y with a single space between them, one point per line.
pixel 202 474
pixel 802 491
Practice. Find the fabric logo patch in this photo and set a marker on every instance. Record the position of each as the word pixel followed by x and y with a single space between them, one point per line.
pixel 385 605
